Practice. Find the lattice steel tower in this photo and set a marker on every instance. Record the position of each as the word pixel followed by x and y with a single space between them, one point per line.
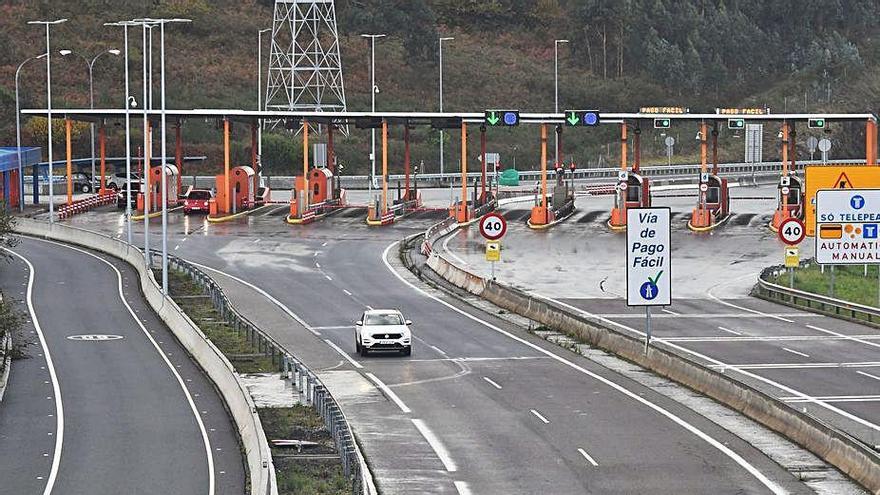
pixel 305 68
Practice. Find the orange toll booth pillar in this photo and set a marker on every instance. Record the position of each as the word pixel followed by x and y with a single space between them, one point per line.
pixel 871 142
pixel 384 166
pixel 227 206
pixel 782 212
pixel 102 146
pixel 462 213
pixel 304 199
pixel 406 161
pixel 618 211
pixel 67 128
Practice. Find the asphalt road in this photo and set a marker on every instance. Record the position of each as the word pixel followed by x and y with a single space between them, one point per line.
pixel 126 414
pixel 481 406
pixel 827 367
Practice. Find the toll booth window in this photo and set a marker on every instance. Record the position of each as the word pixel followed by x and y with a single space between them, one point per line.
pixel 794 196
pixel 713 195
pixel 238 188
pixel 317 189
pixel 633 194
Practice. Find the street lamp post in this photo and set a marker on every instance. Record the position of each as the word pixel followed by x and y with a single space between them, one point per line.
pixel 49 110
pixel 91 65
pixel 128 104
pixel 448 38
pixel 18 136
pixel 556 89
pixel 259 98
pixel 163 185
pixel 373 91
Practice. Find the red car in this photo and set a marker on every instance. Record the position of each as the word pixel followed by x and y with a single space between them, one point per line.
pixel 197 200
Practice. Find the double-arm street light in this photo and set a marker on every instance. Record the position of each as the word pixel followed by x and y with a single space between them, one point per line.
pixel 90 64
pixel 18 136
pixel 373 90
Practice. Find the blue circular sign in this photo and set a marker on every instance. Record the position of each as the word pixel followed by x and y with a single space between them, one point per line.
pixel 510 118
pixel 857 202
pixel 591 118
pixel 649 291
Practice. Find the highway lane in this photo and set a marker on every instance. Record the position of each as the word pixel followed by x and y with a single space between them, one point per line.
pixel 820 365
pixel 134 413
pixel 477 435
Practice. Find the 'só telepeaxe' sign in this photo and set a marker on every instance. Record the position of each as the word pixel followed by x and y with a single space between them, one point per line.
pixel 847 223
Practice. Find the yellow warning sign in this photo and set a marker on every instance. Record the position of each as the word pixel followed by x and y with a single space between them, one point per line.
pixel 493 251
pixel 835 177
pixel 792 257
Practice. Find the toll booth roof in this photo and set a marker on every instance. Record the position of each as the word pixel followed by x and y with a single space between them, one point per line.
pixel 9 157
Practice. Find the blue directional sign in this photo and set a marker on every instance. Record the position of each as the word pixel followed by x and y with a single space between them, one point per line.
pixel 649 290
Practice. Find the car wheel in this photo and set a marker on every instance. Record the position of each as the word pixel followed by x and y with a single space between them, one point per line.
pixel 357 347
pixel 406 351
pixel 113 186
pixel 86 188
pixel 364 351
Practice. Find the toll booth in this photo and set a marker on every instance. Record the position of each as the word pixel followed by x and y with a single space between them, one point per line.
pixel 241 192
pixel 155 191
pixel 9 188
pixel 638 191
pixel 717 197
pixel 790 195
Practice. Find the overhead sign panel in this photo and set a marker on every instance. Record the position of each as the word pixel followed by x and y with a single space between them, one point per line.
pixel 648 257
pixel 847 221
pixel 819 177
pixel 502 118
pixel 585 118
pixel 742 111
pixel 664 110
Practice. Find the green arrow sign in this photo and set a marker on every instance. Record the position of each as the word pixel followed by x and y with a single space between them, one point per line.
pixel 492 119
pixel 573 118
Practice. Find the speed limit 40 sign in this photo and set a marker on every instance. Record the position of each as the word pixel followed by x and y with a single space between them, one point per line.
pixel 792 231
pixel 493 226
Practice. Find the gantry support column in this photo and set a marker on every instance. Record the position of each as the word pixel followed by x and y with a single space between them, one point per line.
pixel 102 149
pixel 541 213
pixel 227 205
pixel 782 212
pixel 406 162
pixel 618 211
pixel 304 201
pixel 254 159
pixel 384 166
pixel 483 163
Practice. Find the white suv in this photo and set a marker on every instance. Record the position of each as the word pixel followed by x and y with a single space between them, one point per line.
pixel 383 329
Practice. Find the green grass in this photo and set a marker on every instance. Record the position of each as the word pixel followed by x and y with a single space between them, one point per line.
pixel 302 476
pixel 850 282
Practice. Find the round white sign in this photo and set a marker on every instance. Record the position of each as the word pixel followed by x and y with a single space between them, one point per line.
pixel 704 187
pixel 792 231
pixel 785 190
pixel 824 144
pixel 493 226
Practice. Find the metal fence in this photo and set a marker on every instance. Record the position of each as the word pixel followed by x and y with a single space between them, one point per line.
pixel 310 388
pixel 817 302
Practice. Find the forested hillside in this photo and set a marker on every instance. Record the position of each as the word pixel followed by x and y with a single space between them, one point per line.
pixel 785 54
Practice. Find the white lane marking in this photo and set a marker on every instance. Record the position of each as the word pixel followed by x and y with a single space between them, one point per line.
pixel 834 398
pixel 538 415
pixel 477 359
pixel 868 375
pixel 588 457
pixel 702 316
pixel 189 398
pixel 435 444
pixel 263 293
pixel 344 354
pixel 438 350
pixel 780 338
pixel 390 393
pixel 492 382
pixel 324 245
pixel 56 387
pixel 347 293
pixel 668 311
pixel 328 277
pixel 843 336
pixel 786 349
pixel 794 366
pixel 462 488
pixel 318 265
pixel 729 331
pixel 749 310
pixel 257 240
pixel 336 327
pixel 741 369
pixel 684 424
pixel 176 247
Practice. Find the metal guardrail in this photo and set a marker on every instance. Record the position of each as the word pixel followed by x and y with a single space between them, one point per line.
pixel 310 388
pixel 825 304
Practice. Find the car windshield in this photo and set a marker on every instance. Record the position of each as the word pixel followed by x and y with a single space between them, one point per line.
pixel 199 195
pixel 384 319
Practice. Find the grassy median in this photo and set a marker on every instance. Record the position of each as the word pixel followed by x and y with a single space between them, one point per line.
pixel 313 470
pixel 850 282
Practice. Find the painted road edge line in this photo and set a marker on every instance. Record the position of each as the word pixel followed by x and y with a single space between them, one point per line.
pixel 56 387
pixel 491 382
pixel 343 354
pixel 764 480
pixel 390 393
pixel 212 482
pixel 588 457
pixel 462 488
pixel 435 444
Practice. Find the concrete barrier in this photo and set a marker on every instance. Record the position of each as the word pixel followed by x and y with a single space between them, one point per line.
pixel 5 363
pixel 847 454
pixel 210 359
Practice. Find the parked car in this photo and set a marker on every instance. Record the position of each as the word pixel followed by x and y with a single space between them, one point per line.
pixel 197 200
pixel 383 329
pixel 82 182
pixel 117 181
